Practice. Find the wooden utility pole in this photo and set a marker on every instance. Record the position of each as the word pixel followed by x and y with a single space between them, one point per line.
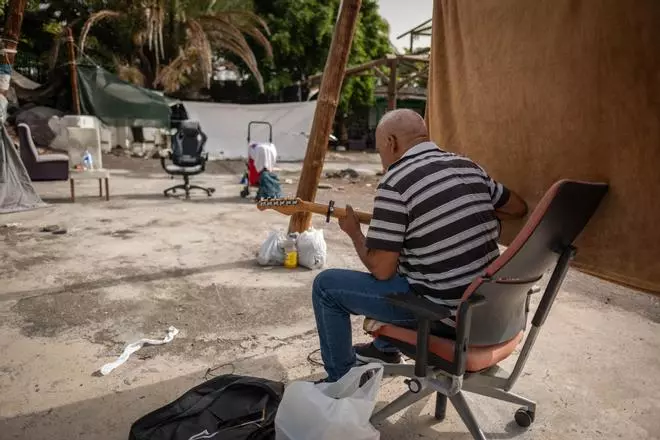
pixel 12 32
pixel 326 107
pixel 73 71
pixel 13 29
pixel 392 86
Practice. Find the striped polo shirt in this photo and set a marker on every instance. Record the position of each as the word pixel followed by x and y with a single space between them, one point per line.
pixel 437 209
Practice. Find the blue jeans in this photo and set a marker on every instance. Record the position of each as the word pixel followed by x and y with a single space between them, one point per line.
pixel 339 293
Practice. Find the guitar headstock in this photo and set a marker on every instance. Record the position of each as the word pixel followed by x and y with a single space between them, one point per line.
pixel 288 206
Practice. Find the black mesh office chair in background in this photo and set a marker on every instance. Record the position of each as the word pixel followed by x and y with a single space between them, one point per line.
pixel 188 157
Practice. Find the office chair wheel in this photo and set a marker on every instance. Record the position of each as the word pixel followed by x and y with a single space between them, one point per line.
pixel 413 385
pixel 524 417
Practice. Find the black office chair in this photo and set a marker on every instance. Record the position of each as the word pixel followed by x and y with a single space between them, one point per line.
pixel 188 157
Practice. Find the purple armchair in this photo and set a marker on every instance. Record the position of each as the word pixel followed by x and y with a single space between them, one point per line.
pixel 41 167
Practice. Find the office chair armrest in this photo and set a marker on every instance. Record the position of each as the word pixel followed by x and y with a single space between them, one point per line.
pixel 165 155
pixel 426 312
pixel 463 325
pixel 204 157
pixel 419 306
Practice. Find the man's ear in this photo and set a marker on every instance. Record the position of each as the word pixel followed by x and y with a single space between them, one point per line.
pixel 393 145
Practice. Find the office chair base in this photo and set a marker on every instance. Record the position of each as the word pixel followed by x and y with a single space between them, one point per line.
pixel 440 407
pixel 187 189
pixel 399 404
pixel 486 383
pixel 464 411
pixel 501 395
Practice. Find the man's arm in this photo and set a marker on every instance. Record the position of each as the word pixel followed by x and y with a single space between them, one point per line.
pixel 508 205
pixel 382 264
pixel 380 249
pixel 514 207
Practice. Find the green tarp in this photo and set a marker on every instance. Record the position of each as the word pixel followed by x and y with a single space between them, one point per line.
pixel 118 103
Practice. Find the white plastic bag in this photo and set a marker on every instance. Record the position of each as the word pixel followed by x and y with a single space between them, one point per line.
pixel 271 252
pixel 332 411
pixel 312 250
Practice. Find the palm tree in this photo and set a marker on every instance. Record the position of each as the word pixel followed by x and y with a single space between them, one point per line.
pixel 195 31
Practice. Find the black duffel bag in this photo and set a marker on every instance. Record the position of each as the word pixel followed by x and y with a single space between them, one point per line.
pixel 227 407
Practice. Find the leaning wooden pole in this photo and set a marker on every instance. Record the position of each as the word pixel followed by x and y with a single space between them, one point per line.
pixel 73 71
pixel 12 34
pixel 326 107
pixel 392 85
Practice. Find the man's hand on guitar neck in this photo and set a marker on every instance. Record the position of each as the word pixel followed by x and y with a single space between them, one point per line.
pixel 381 264
pixel 350 223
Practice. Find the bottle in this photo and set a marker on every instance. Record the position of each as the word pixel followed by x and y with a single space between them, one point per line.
pixel 290 252
pixel 87 161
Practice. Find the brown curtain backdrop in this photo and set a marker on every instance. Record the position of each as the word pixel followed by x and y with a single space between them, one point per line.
pixel 537 91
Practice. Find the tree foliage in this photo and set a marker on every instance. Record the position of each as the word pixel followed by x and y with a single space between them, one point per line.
pixel 175 41
pixel 371 42
pixel 32 5
pixel 301 33
pixel 198 35
pixel 168 42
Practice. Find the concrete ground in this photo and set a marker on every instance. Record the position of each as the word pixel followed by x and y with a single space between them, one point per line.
pixel 133 266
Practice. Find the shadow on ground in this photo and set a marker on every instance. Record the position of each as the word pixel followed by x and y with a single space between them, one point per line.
pixel 195 197
pixel 136 278
pixel 413 424
pixel 110 417
pixel 590 289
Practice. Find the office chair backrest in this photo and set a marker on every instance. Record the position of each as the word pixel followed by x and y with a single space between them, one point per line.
pixel 178 115
pixel 188 144
pixel 550 231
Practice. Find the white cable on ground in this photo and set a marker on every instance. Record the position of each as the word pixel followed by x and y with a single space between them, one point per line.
pixel 135 346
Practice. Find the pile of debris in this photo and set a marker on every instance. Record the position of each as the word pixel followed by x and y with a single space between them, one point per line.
pixel 139 150
pixel 347 173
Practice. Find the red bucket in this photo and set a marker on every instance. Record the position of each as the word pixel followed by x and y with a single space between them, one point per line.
pixel 253 174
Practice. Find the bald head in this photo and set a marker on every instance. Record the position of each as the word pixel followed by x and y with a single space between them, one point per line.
pixel 397 132
pixel 404 123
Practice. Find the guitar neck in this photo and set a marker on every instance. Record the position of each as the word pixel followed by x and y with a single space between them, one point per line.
pixel 318 208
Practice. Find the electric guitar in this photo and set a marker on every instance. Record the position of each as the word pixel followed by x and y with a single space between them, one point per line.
pixel 290 206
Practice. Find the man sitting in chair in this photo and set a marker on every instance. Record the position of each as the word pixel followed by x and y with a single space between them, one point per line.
pixel 434 230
